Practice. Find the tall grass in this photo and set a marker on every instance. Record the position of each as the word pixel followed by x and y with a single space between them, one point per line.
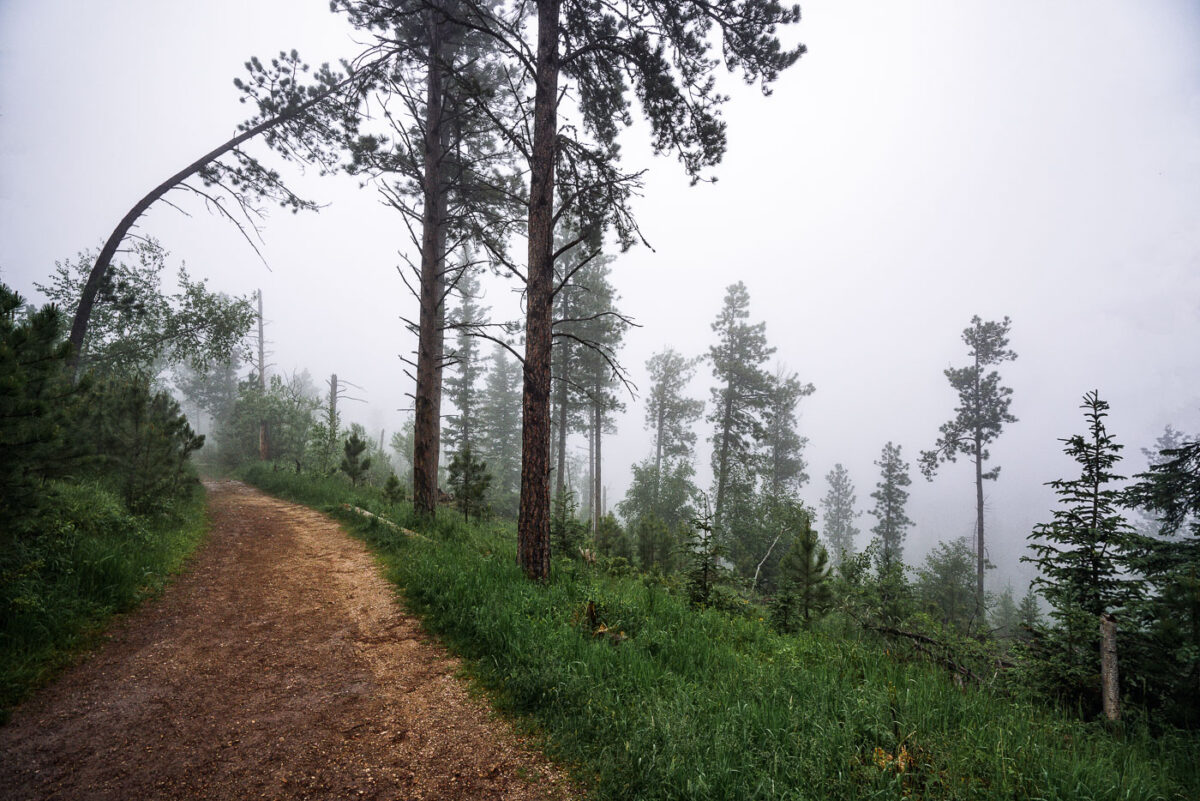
pixel 707 705
pixel 88 559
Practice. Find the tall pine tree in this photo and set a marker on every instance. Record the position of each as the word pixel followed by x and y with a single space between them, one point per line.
pixel 838 504
pixel 980 415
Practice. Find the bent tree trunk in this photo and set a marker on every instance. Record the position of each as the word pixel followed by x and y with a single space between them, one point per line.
pixel 533 522
pixel 95 279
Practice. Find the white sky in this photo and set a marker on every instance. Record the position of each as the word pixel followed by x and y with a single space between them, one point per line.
pixel 924 162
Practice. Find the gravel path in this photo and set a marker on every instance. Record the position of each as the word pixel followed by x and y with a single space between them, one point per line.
pixel 279 666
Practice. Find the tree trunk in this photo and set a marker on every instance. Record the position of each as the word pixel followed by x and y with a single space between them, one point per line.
pixel 533 523
pixel 430 336
pixel 597 482
pixel 560 474
pixel 264 443
pixel 658 450
pixel 979 553
pixel 1108 667
pixel 87 300
pixel 723 462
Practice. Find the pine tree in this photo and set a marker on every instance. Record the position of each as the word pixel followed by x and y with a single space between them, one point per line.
pixel 890 500
pixel 500 430
pixel 804 587
pixel 34 397
pixel 840 513
pixel 462 390
pixel 354 464
pixel 782 446
pixel 741 394
pixel 1029 613
pixel 670 415
pixel 393 490
pixel 982 412
pixel 660 51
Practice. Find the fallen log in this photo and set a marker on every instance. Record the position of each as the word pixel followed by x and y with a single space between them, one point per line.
pixel 395 527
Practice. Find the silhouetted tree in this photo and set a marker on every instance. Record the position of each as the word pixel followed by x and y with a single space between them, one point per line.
pixel 890 498
pixel 840 513
pixel 980 415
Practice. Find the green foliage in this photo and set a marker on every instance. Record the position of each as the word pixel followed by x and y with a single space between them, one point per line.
pixel 500 431
pixel 945 585
pixel 90 559
pixel 666 495
pixel 354 464
pixel 890 499
pixel 703 556
pixel 706 705
pixel 838 506
pixel 35 398
pixel 139 440
pixel 286 408
pixel 137 328
pixel 611 539
pixel 393 490
pixel 469 482
pixel 983 401
pixel 567 531
pixel 1168 662
pixel 741 392
pixel 804 591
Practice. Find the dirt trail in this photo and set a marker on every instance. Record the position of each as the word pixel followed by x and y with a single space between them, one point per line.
pixel 280 666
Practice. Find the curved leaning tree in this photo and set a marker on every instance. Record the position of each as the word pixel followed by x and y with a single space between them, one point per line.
pixel 300 113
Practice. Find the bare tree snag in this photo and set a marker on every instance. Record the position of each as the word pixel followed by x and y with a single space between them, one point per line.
pixel 1110 687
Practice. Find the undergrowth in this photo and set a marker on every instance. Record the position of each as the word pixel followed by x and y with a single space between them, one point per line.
pixel 648 698
pixel 85 559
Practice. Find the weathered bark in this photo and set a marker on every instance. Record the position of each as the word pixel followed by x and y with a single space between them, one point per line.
pixel 96 277
pixel 533 524
pixel 658 452
pixel 1108 667
pixel 430 335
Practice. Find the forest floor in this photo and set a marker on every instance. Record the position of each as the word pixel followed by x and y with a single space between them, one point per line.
pixel 279 666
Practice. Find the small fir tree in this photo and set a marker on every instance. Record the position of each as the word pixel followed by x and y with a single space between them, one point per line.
pixel 804 593
pixel 393 490
pixel 469 481
pixel 354 464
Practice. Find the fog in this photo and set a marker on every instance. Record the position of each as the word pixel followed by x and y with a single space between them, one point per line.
pixel 923 162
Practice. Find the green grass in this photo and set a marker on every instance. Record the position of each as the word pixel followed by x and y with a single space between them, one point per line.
pixel 88 560
pixel 705 705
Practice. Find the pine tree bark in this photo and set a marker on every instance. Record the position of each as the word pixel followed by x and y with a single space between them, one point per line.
pixel 723 461
pixel 430 335
pixel 533 522
pixel 560 474
pixel 979 552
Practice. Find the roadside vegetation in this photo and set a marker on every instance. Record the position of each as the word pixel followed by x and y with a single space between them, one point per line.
pixel 648 696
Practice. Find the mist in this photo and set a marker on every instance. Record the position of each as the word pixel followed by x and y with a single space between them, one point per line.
pixel 921 164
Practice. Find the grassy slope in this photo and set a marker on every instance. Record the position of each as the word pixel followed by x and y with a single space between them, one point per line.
pixel 91 561
pixel 704 705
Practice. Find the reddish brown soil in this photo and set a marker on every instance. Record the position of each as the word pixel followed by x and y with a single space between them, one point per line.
pixel 279 666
